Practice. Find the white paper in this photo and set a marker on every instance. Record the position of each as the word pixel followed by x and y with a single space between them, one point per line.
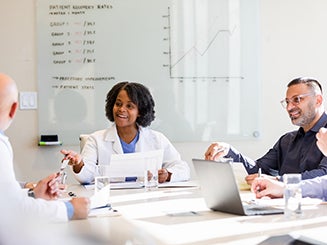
pixel 133 164
pixel 281 201
pixel 100 198
pixel 105 211
pixel 179 184
pixel 240 174
pixel 138 185
pixel 126 185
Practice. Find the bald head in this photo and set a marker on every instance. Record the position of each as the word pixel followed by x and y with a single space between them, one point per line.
pixel 8 100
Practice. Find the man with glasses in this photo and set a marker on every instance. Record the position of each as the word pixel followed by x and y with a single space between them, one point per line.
pixel 296 151
pixel 314 188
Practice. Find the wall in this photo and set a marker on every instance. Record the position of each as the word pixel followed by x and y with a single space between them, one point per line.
pixel 293 43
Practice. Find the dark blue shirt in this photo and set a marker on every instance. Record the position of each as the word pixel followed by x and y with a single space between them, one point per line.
pixel 294 152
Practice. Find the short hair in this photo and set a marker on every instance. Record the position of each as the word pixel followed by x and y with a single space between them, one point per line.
pixel 139 95
pixel 310 82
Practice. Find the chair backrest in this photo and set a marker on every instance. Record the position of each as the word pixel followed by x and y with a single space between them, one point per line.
pixel 82 140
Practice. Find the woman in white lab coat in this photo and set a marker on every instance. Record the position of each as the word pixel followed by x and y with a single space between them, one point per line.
pixel 131 107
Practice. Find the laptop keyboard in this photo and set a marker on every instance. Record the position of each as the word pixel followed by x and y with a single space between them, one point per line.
pixel 261 210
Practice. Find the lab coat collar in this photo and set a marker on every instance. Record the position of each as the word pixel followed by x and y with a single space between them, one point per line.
pixel 112 136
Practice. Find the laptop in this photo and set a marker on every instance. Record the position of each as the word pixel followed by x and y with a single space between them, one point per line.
pixel 220 190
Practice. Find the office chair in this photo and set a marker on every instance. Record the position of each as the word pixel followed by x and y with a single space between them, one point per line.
pixel 82 140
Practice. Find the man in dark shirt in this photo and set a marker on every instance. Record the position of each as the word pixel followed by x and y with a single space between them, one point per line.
pixel 294 152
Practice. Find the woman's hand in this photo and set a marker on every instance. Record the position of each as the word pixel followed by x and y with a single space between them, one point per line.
pixel 163 175
pixel 74 158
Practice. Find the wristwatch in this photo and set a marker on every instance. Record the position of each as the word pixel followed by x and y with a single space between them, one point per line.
pixel 30 193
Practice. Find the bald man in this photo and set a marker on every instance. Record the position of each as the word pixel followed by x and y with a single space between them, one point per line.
pixel 41 203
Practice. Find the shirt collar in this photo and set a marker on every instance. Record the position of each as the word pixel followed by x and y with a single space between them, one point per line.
pixel 322 122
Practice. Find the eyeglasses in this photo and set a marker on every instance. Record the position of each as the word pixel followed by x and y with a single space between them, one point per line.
pixel 295 100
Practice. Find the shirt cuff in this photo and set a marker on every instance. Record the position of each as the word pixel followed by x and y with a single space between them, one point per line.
pixel 22 184
pixel 70 210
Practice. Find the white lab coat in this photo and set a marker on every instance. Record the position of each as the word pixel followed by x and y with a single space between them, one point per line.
pixel 101 144
pixel 14 199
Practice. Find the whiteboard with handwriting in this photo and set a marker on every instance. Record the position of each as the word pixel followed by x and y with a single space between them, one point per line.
pixel 200 59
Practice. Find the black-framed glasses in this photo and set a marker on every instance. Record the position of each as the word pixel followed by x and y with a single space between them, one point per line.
pixel 295 100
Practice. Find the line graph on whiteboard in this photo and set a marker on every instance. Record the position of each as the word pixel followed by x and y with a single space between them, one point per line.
pixel 205 47
pixel 199 58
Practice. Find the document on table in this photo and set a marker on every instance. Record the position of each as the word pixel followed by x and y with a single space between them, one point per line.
pixel 178 184
pixel 139 184
pixel 119 185
pixel 306 201
pixel 126 185
pixel 240 174
pixel 133 164
pixel 103 211
pixel 100 198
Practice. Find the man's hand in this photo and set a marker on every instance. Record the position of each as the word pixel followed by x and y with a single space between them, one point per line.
pixel 267 187
pixel 322 140
pixel 251 177
pixel 81 207
pixel 47 188
pixel 216 150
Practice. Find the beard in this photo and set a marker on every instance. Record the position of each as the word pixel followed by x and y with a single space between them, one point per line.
pixel 304 118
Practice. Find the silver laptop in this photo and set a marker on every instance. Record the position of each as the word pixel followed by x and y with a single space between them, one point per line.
pixel 220 190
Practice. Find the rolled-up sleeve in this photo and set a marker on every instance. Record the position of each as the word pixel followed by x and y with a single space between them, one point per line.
pixel 315 188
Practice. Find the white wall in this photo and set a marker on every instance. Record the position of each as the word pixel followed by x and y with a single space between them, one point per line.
pixel 293 43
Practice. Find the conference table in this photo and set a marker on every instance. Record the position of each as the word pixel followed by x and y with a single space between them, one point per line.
pixel 177 214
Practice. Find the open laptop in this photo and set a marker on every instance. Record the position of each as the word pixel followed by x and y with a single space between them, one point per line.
pixel 220 190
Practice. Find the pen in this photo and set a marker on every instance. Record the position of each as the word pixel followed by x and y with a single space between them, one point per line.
pixel 61 175
pixel 104 206
pixel 259 176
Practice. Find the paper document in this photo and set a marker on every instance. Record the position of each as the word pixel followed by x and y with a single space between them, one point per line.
pixel 120 185
pixel 306 201
pixel 178 184
pixel 240 174
pixel 103 211
pixel 126 185
pixel 133 164
pixel 138 185
pixel 100 198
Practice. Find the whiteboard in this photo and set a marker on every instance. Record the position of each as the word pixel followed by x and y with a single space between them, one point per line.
pixel 200 59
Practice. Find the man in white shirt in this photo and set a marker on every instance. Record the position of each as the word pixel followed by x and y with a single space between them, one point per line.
pixel 16 204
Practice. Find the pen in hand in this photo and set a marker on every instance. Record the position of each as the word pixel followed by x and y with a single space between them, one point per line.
pixel 259 176
pixel 61 174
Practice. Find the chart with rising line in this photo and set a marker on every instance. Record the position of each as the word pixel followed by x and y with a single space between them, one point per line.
pixel 203 49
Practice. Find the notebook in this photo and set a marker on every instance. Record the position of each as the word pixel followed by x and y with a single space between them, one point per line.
pixel 220 190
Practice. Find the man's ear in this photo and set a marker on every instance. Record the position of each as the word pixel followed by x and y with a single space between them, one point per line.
pixel 319 99
pixel 13 110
